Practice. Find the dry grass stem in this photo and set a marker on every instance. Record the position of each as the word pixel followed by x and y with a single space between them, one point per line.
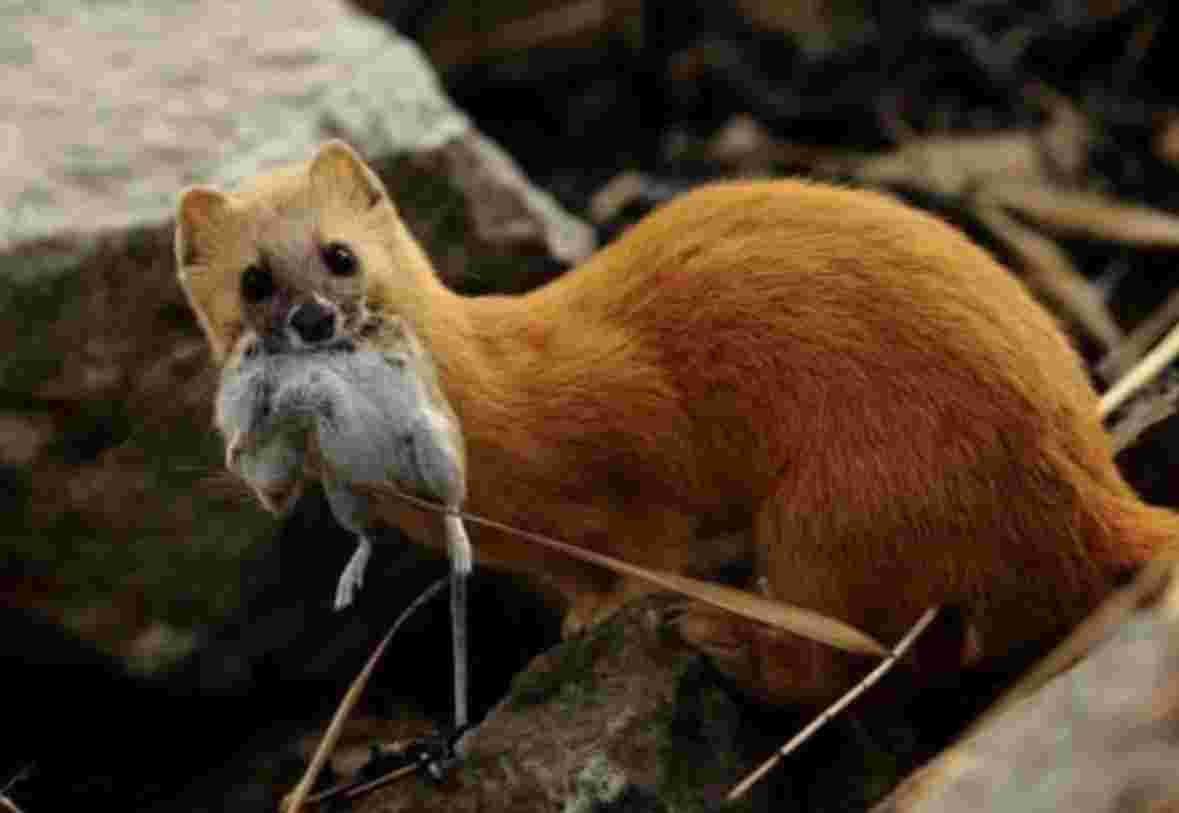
pixel 294 801
pixel 871 678
pixel 1141 339
pixel 803 622
pixel 1141 374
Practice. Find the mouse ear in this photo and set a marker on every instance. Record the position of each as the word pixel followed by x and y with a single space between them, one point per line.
pixel 200 214
pixel 337 172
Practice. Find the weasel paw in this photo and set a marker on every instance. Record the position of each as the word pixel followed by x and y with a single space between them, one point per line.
pixel 589 609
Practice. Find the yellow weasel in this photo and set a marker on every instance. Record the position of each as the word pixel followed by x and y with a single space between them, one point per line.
pixel 842 391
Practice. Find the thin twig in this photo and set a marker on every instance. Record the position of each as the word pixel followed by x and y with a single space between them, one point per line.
pixel 23 773
pixel 802 736
pixel 293 803
pixel 352 790
pixel 6 804
pixel 1141 374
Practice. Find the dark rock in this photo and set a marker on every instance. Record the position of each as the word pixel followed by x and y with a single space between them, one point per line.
pixel 624 718
pixel 118 521
pixel 121 533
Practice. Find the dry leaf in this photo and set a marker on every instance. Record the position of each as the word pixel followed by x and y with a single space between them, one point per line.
pixel 955 166
pixel 1049 272
pixel 618 193
pixel 1067 136
pixel 1088 214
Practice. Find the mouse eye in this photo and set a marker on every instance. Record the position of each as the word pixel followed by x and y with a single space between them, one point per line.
pixel 257 284
pixel 339 259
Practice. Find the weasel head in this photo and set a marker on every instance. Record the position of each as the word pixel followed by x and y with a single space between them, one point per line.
pixel 308 287
pixel 296 259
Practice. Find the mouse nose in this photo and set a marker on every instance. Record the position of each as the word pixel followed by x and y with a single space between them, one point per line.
pixel 313 322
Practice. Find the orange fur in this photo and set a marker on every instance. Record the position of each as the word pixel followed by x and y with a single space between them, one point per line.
pixel 843 389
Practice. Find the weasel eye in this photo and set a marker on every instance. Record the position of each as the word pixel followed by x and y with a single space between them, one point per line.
pixel 339 259
pixel 257 284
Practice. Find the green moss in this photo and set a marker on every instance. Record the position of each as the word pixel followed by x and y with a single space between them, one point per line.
pixel 184 583
pixel 16 50
pixel 570 678
pixel 696 734
pixel 599 783
pixel 39 266
pixel 861 763
pixel 118 563
pixel 129 556
pixel 32 293
pixel 476 768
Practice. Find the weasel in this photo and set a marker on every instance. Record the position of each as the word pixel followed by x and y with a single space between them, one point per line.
pixel 839 390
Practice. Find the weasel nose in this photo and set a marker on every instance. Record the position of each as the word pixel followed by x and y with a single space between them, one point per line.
pixel 313 322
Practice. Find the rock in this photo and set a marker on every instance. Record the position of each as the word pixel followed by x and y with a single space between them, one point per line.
pixel 1102 736
pixel 624 718
pixel 117 517
pixel 466 32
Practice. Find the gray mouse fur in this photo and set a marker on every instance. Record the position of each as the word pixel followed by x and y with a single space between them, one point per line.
pixel 375 417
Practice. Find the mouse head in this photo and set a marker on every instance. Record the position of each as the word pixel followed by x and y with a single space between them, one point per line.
pixel 298 258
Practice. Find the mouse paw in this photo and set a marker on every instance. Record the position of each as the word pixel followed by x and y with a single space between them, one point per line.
pixel 352 577
pixel 435 756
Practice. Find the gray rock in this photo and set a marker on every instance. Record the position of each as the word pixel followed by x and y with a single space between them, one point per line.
pixel 1101 737
pixel 109 108
pixel 117 513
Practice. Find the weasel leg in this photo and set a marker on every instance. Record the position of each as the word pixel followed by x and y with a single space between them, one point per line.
pixel 590 607
pixel 770 665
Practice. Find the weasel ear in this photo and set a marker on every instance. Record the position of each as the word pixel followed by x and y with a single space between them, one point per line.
pixel 337 172
pixel 200 212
